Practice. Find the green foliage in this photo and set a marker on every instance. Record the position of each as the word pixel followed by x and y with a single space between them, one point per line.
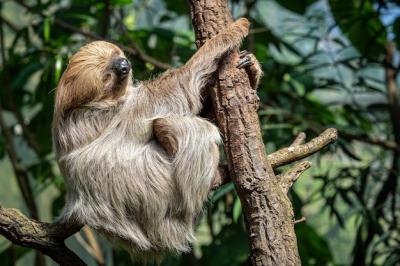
pixel 231 246
pixel 313 248
pixel 362 25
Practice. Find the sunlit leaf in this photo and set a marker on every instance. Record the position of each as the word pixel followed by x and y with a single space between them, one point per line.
pixel 222 191
pixel 237 209
pixel 46 29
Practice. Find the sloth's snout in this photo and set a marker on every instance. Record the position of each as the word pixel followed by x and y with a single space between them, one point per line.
pixel 121 66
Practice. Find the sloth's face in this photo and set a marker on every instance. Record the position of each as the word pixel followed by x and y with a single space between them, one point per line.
pixel 101 66
pixel 98 71
pixel 116 73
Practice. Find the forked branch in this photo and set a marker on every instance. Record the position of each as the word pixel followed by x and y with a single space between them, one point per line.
pixel 296 151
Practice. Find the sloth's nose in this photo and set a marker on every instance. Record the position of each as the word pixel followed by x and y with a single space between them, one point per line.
pixel 122 66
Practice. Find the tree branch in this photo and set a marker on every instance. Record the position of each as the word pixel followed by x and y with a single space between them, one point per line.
pixel 45 237
pixel 287 179
pixel 267 209
pixel 295 153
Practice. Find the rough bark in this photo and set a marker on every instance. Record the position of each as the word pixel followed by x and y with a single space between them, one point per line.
pixel 45 237
pixel 267 209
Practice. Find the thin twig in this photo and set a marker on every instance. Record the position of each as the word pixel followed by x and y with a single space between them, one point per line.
pixel 301 220
pixel 287 179
pixel 315 127
pixel 97 254
pixel 301 137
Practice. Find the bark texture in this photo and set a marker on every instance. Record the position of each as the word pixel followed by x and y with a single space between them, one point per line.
pixel 267 209
pixel 45 237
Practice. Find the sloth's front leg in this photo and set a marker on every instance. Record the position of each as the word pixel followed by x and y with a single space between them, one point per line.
pixel 192 144
pixel 165 136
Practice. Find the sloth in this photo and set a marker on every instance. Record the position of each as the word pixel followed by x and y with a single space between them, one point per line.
pixel 137 160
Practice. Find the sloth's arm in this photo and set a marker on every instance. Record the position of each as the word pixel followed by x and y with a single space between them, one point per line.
pixel 180 88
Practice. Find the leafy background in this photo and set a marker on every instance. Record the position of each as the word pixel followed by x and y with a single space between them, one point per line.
pixel 324 64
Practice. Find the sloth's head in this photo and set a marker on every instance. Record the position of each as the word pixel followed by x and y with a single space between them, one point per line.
pixel 98 71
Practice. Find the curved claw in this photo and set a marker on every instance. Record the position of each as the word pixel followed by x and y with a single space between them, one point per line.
pixel 245 60
pixel 244 53
pixel 253 68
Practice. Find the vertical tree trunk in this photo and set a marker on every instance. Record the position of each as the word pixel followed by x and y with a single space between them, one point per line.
pixel 267 209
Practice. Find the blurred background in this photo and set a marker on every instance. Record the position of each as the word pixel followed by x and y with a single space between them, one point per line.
pixel 327 64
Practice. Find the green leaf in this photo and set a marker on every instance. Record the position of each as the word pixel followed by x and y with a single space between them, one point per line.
pixel 222 191
pixel 313 248
pixel 46 29
pixel 122 2
pixel 361 24
pixel 12 253
pixel 58 68
pixel 237 209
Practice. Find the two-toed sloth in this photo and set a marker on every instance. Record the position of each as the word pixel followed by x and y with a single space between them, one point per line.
pixel 137 161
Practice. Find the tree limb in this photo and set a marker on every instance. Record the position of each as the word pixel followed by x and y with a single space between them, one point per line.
pixel 287 179
pixel 294 152
pixel 45 237
pixel 268 212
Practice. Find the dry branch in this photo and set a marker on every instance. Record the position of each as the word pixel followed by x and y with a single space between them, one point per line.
pixel 287 179
pixel 295 153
